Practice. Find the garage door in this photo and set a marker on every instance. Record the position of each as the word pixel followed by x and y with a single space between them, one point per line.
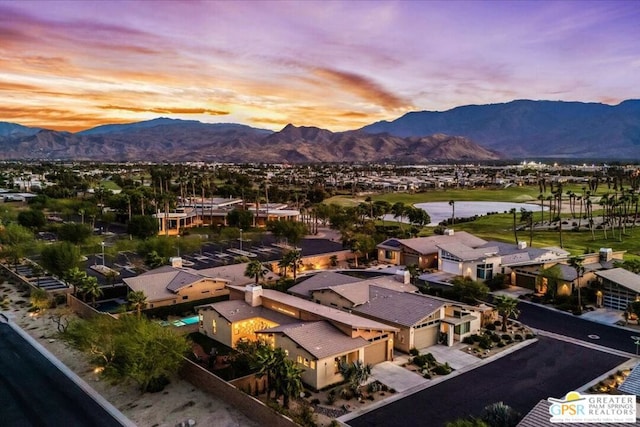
pixel 376 352
pixel 425 337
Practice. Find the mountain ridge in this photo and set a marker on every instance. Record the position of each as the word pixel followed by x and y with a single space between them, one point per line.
pixel 517 129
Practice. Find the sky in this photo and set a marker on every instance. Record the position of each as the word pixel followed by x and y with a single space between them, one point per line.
pixel 338 65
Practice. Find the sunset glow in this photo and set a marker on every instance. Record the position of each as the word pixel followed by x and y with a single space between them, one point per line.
pixel 337 65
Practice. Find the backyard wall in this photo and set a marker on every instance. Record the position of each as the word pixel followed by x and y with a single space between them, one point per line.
pixel 251 407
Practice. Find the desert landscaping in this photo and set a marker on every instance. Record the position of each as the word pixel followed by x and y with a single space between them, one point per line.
pixel 178 403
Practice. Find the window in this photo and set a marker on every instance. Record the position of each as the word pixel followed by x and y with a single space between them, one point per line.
pixel 201 319
pixel 214 326
pixel 484 271
pixel 185 297
pixel 389 255
pixel 462 328
pixel 303 361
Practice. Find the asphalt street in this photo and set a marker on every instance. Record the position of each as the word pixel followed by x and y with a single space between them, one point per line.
pixel 575 327
pixel 33 392
pixel 547 368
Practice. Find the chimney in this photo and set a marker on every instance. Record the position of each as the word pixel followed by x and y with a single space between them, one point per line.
pixel 606 254
pixel 175 261
pixel 253 295
pixel 522 245
pixel 403 276
pixel 448 232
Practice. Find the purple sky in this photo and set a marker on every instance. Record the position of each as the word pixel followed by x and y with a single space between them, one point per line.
pixel 333 64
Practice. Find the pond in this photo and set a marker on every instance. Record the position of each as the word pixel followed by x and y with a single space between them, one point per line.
pixel 440 211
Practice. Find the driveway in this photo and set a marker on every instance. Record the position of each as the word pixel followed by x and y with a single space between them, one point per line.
pixel 547 368
pixel 396 377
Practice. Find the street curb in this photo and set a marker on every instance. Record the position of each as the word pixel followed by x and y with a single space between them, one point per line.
pixel 105 404
pixel 430 383
pixel 580 317
pixel 587 344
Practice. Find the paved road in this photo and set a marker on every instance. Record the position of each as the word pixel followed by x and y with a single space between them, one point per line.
pixel 33 392
pixel 575 327
pixel 547 368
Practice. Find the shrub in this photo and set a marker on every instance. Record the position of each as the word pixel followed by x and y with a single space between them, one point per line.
pixel 468 340
pixel 421 360
pixel 331 397
pixel 427 375
pixel 495 337
pixel 518 337
pixel 530 336
pixel 315 401
pixel 485 343
pixel 414 351
pixel 506 336
pixel 497 323
pixel 442 369
pixel 392 390
pixel 374 386
pixel 501 344
pixel 490 327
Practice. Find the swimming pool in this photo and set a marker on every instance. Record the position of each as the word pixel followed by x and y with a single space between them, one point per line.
pixel 181 322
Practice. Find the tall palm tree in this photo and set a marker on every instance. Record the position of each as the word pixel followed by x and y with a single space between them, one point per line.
pixel 506 307
pixel 513 212
pixel 74 277
pixel 289 381
pixel 138 301
pixel 255 270
pixel 90 287
pixel 578 264
pixel 452 203
pixel 527 217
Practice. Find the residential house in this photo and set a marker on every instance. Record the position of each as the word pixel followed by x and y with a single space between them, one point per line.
pixel 422 251
pixel 173 284
pixel 316 336
pixel 483 262
pixel 619 288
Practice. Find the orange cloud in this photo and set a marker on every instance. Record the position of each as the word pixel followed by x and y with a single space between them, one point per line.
pixel 363 87
pixel 168 110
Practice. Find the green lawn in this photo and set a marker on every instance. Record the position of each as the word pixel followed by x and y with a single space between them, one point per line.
pixel 110 185
pixel 500 226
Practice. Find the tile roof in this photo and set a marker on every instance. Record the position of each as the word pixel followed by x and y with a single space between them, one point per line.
pixel 165 282
pixel 234 273
pixel 321 339
pixel 429 245
pixel 358 293
pixel 631 384
pixel 402 308
pixel 237 310
pixel 467 253
pixel 332 314
pixel 321 280
pixel 622 277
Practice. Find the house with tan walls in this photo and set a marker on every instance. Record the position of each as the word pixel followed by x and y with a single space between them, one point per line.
pixel 316 336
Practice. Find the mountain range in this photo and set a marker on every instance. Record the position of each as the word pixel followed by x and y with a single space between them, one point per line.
pixel 513 130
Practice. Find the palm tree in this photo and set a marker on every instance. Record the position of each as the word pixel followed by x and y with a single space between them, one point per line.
pixel 452 203
pixel 289 381
pixel 355 374
pixel 138 301
pixel 398 209
pixel 578 264
pixel 90 286
pixel 499 414
pixel 74 277
pixel 255 270
pixel 513 212
pixel 293 259
pixel 506 307
pixel 355 247
pixel 268 361
pixel 527 217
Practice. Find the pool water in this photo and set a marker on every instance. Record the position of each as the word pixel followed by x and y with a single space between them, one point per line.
pixel 181 322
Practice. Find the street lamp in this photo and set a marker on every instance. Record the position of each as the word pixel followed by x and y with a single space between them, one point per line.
pixel 102 244
pixel 241 239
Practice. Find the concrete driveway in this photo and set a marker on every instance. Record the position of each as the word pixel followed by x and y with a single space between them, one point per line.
pixel 396 377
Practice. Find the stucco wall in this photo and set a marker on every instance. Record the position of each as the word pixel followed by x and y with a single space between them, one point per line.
pixel 249 406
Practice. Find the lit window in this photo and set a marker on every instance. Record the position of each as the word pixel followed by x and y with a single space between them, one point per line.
pixel 214 326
